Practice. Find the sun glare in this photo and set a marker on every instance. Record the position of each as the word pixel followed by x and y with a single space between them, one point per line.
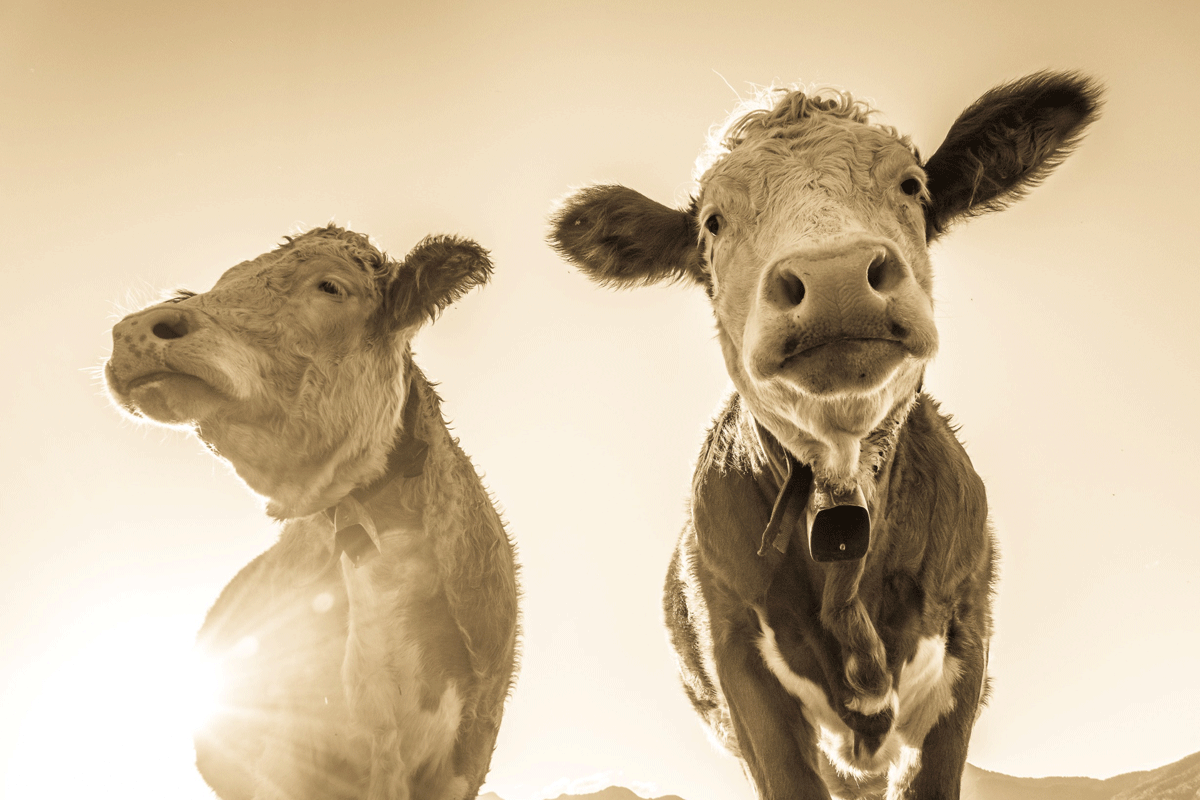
pixel 204 680
pixel 120 706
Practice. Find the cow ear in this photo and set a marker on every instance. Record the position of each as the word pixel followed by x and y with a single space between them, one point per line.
pixel 438 271
pixel 1006 143
pixel 620 237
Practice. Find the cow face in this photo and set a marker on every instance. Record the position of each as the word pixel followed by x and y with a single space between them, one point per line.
pixel 814 247
pixel 294 365
pixel 809 230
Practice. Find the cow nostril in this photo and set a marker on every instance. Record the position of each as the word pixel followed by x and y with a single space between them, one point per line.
pixel 793 288
pixel 171 330
pixel 876 274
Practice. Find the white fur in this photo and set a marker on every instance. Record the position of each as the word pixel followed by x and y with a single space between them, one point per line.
pixel 924 695
pixel 720 727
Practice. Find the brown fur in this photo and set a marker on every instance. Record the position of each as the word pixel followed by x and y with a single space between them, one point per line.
pixel 387 680
pixel 811 229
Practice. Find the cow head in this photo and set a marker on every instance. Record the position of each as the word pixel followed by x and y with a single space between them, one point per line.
pixel 294 367
pixel 810 230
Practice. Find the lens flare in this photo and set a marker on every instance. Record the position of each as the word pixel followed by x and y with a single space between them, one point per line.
pixel 200 696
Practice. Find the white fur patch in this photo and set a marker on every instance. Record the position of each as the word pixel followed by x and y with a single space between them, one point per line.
pixel 871 706
pixel 238 364
pixel 835 738
pixel 719 728
pixel 926 688
pixel 925 693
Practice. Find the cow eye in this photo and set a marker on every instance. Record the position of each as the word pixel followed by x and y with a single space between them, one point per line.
pixel 713 223
pixel 329 287
pixel 910 186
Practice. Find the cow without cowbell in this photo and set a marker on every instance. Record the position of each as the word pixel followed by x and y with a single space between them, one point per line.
pixel 370 651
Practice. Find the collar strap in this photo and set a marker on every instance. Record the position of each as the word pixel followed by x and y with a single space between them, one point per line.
pixel 838 525
pixel 354 530
pixel 796 482
pixel 788 504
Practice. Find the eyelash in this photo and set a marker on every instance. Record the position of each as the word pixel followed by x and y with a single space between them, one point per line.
pixel 328 287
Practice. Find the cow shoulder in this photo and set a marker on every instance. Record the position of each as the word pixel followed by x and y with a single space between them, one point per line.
pixel 937 509
pixel 730 507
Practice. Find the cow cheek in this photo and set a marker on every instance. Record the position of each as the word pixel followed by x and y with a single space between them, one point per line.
pixel 355 402
pixel 735 281
pixel 732 353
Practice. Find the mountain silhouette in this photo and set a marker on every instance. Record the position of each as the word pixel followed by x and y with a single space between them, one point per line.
pixel 611 793
pixel 1177 781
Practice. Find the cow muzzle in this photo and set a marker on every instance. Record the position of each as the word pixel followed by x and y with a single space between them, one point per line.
pixel 148 375
pixel 841 318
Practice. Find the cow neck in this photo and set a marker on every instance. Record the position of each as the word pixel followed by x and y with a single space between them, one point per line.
pixel 796 480
pixel 354 529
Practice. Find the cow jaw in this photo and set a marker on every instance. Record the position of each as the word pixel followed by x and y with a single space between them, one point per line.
pixel 310 452
pixel 822 389
pixel 824 402
pixel 828 431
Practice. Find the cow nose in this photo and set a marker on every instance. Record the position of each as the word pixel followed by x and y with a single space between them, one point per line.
pixel 168 323
pixel 858 276
pixel 165 323
pixel 885 272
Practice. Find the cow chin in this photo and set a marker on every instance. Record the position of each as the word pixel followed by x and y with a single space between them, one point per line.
pixel 170 398
pixel 826 429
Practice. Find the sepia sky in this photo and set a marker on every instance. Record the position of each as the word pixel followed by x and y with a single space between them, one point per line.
pixel 147 146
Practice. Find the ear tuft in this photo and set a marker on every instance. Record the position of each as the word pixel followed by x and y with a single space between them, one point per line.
pixel 620 237
pixel 436 273
pixel 1006 143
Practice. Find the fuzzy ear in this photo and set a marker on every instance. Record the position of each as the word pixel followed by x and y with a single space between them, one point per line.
pixel 438 271
pixel 1006 143
pixel 619 237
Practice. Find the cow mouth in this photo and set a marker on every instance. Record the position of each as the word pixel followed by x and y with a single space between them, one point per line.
pixel 852 348
pixel 841 365
pixel 130 385
pixel 165 396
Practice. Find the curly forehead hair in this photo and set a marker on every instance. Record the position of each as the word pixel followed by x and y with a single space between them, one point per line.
pixel 784 113
pixel 356 245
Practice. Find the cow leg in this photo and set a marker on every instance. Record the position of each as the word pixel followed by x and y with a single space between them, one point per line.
pixel 776 744
pixel 944 753
pixel 473 750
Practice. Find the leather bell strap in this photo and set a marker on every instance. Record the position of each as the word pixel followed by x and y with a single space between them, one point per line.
pixel 838 523
pixel 356 534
